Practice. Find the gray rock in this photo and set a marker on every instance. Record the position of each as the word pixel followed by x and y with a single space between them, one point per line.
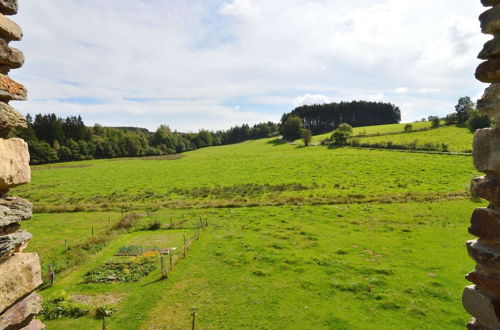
pixel 490 102
pixel 10 7
pixel 489 71
pixel 485 223
pixel 11 90
pixel 22 312
pixel 486 188
pixel 13 243
pixel 34 325
pixel 482 306
pixel 490 20
pixel 491 49
pixel 486 150
pixel 20 275
pixel 490 3
pixel 10 118
pixel 13 210
pixel 483 255
pixel 14 163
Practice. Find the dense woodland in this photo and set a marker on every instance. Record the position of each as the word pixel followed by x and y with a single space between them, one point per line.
pixel 52 139
pixel 323 118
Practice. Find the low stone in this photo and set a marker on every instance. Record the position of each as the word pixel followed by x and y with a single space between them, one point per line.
pixel 13 243
pixel 10 118
pixel 9 30
pixel 11 57
pixel 14 163
pixel 485 223
pixel 20 275
pixel 13 210
pixel 474 325
pixel 490 20
pixel 22 312
pixel 490 3
pixel 491 49
pixel 11 90
pixel 490 102
pixel 34 325
pixel 484 308
pixel 483 255
pixel 489 71
pixel 487 282
pixel 10 7
pixel 486 151
pixel 486 187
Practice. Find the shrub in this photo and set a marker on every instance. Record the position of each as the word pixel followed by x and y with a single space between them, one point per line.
pixel 292 128
pixel 306 136
pixel 121 271
pixel 60 306
pixel 435 122
pixel 477 121
pixel 127 221
pixel 154 225
pixel 341 136
pixel 408 128
pixel 105 311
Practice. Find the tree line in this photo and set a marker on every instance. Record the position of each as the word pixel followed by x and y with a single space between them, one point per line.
pixel 323 118
pixel 51 139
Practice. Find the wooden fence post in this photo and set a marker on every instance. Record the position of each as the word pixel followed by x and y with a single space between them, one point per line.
pixel 163 269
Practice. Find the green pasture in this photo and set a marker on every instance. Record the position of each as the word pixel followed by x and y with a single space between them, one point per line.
pixel 367 266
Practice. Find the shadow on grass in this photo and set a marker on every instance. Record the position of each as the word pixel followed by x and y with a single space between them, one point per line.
pixel 155 281
pixel 277 142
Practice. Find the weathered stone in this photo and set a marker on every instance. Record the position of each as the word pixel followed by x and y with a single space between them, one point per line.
pixel 486 187
pixel 486 282
pixel 483 255
pixel 9 119
pixel 20 275
pixel 484 308
pixel 34 325
pixel 489 71
pixel 486 150
pixel 13 210
pixel 11 57
pixel 10 7
pixel 9 30
pixel 490 102
pixel 489 3
pixel 474 325
pixel 13 243
pixel 490 20
pixel 22 312
pixel 11 90
pixel 485 223
pixel 14 163
pixel 491 49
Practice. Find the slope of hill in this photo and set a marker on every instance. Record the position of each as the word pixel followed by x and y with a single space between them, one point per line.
pixel 298 237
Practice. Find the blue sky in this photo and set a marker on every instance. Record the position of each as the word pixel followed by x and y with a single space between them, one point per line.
pixel 194 64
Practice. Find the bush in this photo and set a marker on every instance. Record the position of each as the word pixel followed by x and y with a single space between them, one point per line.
pixel 408 128
pixel 306 136
pixel 292 128
pixel 60 306
pixel 105 311
pixel 154 225
pixel 435 122
pixel 127 221
pixel 341 136
pixel 477 121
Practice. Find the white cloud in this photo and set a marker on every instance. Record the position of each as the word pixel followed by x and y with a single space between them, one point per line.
pixel 309 99
pixel 202 55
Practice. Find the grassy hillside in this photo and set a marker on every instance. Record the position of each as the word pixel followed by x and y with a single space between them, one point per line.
pixel 379 129
pixel 298 237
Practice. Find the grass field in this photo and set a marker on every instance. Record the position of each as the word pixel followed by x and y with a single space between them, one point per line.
pixel 379 129
pixel 298 238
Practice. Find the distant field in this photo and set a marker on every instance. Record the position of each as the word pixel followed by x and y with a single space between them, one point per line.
pixel 458 139
pixel 322 267
pixel 263 172
pixel 380 129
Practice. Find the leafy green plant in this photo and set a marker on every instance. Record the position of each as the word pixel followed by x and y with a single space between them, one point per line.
pixel 59 306
pixel 111 272
pixel 105 311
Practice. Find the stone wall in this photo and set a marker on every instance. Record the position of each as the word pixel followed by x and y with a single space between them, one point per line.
pixel 20 273
pixel 482 299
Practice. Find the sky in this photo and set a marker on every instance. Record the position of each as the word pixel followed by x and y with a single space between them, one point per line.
pixel 213 64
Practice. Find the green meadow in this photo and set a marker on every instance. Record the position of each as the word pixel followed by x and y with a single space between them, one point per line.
pixel 297 237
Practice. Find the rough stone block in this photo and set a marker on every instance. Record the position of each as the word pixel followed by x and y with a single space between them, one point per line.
pixel 486 151
pixel 474 325
pixel 490 20
pixel 14 163
pixel 11 90
pixel 490 102
pixel 11 57
pixel 9 30
pixel 486 188
pixel 13 210
pixel 489 71
pixel 20 275
pixel 491 49
pixel 34 325
pixel 487 282
pixel 10 7
pixel 9 119
pixel 13 243
pixel 22 312
pixel 484 308
pixel 485 223
pixel 490 3
pixel 483 254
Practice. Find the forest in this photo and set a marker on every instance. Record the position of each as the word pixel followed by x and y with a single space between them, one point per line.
pixel 323 118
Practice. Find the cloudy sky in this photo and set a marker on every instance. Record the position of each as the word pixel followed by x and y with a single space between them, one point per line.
pixel 212 64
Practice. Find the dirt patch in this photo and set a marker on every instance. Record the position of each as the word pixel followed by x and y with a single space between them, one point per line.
pixel 102 299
